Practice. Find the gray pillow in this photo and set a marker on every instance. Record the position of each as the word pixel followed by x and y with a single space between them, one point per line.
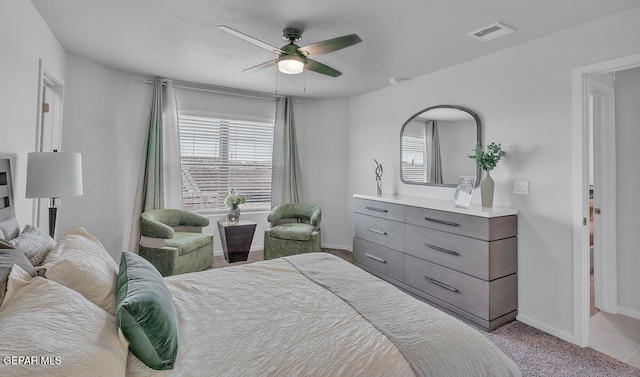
pixel 9 257
pixel 9 228
pixel 34 243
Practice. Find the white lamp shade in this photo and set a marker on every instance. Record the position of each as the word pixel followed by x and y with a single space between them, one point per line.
pixel 54 175
pixel 291 65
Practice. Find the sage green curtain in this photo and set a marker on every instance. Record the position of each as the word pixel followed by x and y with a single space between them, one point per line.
pixel 159 180
pixel 286 186
pixel 435 171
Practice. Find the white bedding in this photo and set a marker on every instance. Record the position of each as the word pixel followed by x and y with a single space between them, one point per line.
pixel 267 319
pixel 307 315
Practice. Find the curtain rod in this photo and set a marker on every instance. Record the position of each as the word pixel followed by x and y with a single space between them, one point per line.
pixel 220 89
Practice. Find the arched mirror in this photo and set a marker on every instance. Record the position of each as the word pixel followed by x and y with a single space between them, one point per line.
pixel 435 143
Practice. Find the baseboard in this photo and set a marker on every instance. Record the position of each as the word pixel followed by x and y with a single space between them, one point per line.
pixel 629 312
pixel 549 330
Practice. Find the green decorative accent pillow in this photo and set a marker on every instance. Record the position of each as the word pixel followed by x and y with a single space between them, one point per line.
pixel 145 312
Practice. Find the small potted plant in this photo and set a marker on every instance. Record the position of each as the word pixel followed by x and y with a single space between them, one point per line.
pixel 487 161
pixel 233 201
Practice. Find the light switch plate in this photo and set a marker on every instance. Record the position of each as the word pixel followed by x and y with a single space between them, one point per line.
pixel 521 187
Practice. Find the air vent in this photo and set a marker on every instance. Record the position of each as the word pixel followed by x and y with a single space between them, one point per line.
pixel 492 31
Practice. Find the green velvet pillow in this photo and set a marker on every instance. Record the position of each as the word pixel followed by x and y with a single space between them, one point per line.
pixel 145 312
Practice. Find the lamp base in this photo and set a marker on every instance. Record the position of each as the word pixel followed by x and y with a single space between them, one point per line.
pixel 53 213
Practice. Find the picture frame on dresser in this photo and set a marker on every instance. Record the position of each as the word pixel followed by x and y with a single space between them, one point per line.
pixel 464 191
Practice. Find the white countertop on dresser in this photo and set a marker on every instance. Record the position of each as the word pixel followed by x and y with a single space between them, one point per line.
pixel 441 205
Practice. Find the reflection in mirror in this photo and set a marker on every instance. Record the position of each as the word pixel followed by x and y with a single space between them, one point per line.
pixel 435 143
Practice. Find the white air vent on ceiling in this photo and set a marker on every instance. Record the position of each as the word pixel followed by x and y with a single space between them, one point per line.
pixel 492 31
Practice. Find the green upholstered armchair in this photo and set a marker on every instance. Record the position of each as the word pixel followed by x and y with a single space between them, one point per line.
pixel 172 240
pixel 295 229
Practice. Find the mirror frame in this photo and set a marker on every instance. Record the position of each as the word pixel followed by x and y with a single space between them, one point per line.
pixel 478 138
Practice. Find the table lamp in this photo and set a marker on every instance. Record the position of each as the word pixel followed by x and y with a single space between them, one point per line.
pixel 53 175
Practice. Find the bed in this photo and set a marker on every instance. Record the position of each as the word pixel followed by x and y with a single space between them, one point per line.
pixel 306 315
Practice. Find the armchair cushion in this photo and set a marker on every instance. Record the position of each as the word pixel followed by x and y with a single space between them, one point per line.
pixel 188 242
pixel 293 231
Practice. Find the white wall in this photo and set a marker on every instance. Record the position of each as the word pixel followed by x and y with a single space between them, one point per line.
pixel 322 133
pixel 627 87
pixel 523 97
pixel 24 39
pixel 105 112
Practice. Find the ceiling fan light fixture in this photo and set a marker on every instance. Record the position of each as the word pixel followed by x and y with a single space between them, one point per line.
pixel 290 64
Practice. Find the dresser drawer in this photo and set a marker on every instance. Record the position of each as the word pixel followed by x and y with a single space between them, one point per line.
pixel 482 259
pixel 379 209
pixel 482 228
pixel 486 300
pixel 382 259
pixel 384 232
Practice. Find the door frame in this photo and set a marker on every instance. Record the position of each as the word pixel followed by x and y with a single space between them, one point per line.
pixel 604 161
pixel 580 183
pixel 56 87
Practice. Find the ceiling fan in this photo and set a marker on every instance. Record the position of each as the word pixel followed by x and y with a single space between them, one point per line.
pixel 293 59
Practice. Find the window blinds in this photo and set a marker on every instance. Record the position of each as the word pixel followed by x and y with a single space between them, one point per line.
pixel 218 155
pixel 414 158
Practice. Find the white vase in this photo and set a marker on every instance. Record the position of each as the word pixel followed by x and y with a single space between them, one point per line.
pixel 486 190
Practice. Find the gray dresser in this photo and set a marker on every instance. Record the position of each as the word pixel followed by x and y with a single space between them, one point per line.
pixel 464 260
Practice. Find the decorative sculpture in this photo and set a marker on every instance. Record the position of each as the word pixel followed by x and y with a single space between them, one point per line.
pixel 378 172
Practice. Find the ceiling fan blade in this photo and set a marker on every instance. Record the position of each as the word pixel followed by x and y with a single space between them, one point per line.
pixel 315 66
pixel 261 66
pixel 330 45
pixel 252 40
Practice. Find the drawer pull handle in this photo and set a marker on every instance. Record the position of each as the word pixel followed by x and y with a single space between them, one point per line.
pixel 375 258
pixel 376 209
pixel 442 249
pixel 439 284
pixel 377 231
pixel 441 221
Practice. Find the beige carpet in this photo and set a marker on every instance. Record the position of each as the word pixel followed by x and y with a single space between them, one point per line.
pixel 537 353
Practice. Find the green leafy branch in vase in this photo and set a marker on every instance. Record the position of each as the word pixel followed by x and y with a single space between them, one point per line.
pixel 489 159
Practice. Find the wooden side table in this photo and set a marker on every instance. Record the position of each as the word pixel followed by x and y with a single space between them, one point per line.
pixel 236 239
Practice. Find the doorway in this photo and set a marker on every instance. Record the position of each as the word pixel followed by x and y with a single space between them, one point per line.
pixel 602 191
pixel 48 130
pixel 594 188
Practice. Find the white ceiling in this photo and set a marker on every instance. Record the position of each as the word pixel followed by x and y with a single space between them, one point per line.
pixel 401 38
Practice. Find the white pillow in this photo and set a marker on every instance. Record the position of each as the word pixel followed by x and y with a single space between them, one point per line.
pixel 80 262
pixel 50 330
pixel 34 243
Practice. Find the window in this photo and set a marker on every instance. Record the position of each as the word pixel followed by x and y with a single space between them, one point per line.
pixel 414 158
pixel 218 155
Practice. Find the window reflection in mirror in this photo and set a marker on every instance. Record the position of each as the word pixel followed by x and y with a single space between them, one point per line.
pixel 435 143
